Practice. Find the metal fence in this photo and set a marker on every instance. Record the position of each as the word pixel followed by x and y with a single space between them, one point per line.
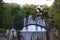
pixel 3 36
pixel 33 35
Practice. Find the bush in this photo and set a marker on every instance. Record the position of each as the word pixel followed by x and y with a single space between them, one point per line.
pixel 2 30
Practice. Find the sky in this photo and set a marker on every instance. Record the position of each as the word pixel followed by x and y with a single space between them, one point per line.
pixel 36 2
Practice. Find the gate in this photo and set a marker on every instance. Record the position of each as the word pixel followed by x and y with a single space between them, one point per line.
pixel 33 35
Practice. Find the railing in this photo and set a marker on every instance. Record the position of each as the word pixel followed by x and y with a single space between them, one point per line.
pixel 35 35
pixel 2 36
pixel 32 35
pixel 38 25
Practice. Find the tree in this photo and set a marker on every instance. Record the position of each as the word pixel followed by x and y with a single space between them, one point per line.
pixel 55 11
pixel 45 12
pixel 56 6
pixel 1 13
pixel 16 12
pixel 29 10
pixel 7 17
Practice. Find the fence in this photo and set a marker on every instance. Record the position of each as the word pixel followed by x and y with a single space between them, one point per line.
pixel 2 36
pixel 32 35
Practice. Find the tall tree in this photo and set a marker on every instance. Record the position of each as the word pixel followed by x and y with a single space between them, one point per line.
pixel 18 16
pixel 7 17
pixel 1 13
pixel 45 11
pixel 55 12
pixel 29 9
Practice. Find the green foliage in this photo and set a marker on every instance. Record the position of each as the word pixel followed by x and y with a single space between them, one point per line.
pixel 1 12
pixel 57 20
pixel 13 14
pixel 29 9
pixel 2 30
pixel 45 10
pixel 15 9
pixel 56 7
pixel 7 18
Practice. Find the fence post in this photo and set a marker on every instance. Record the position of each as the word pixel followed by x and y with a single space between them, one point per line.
pixel 18 35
